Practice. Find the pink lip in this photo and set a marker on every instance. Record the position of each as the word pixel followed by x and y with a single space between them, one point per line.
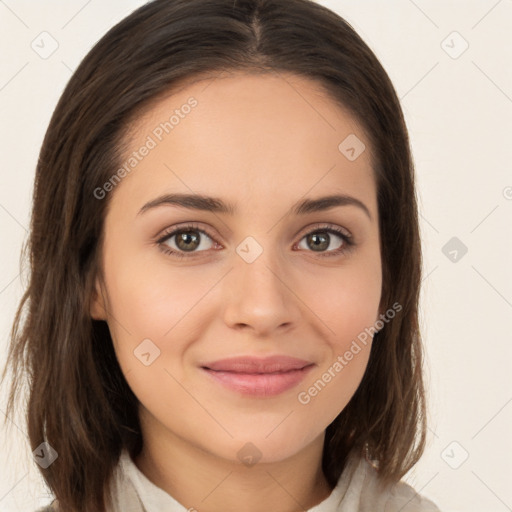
pixel 268 376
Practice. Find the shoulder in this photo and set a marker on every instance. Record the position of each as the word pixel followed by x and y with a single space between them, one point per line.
pixel 400 496
pixel 405 498
pixel 367 491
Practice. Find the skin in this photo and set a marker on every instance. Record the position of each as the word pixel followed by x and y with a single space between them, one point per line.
pixel 261 142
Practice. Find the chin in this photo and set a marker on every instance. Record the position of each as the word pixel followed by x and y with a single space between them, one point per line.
pixel 277 447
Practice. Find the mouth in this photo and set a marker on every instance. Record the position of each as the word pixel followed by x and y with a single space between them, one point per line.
pixel 266 377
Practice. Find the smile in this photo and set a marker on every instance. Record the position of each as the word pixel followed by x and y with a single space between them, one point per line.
pixel 258 377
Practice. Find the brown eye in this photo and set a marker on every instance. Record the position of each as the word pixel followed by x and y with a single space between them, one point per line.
pixel 187 239
pixel 321 240
pixel 318 241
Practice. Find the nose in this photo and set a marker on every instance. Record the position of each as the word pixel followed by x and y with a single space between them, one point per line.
pixel 259 297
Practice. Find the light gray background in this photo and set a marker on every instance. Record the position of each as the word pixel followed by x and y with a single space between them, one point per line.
pixel 458 109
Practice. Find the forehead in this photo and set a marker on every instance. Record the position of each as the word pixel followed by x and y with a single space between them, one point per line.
pixel 241 135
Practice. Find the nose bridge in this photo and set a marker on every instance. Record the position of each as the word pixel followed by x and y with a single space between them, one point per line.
pixel 258 295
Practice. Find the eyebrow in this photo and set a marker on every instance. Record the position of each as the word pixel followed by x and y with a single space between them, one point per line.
pixel 217 205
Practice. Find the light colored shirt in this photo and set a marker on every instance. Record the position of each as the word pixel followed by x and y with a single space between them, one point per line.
pixel 356 491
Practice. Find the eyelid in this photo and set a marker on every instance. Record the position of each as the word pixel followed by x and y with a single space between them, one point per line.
pixel 182 226
pixel 173 231
pixel 318 226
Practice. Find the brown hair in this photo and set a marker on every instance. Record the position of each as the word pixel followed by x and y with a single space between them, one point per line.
pixel 79 401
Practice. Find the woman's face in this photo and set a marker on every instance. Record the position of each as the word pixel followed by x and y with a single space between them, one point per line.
pixel 262 277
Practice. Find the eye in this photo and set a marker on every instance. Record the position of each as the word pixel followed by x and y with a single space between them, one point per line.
pixel 320 240
pixel 187 240
pixel 192 239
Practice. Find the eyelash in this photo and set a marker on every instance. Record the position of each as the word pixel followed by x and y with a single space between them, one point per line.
pixel 348 243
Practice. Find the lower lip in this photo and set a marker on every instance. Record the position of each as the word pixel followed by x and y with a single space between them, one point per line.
pixel 268 384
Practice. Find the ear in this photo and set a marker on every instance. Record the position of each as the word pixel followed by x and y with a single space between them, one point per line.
pixel 97 308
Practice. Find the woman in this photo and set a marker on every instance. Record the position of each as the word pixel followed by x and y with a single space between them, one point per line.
pixel 225 270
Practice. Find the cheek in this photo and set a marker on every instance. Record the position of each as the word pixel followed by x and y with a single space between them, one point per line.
pixel 155 302
pixel 348 305
pixel 150 299
pixel 159 306
pixel 347 300
pixel 324 397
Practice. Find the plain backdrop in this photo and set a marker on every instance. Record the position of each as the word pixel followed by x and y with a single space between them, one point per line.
pixel 450 63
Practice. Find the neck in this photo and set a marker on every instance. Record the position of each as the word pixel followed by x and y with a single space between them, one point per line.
pixel 201 481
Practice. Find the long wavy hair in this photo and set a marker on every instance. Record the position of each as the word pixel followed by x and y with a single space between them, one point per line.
pixel 78 399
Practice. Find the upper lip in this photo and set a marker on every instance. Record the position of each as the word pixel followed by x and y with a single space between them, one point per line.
pixel 250 364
